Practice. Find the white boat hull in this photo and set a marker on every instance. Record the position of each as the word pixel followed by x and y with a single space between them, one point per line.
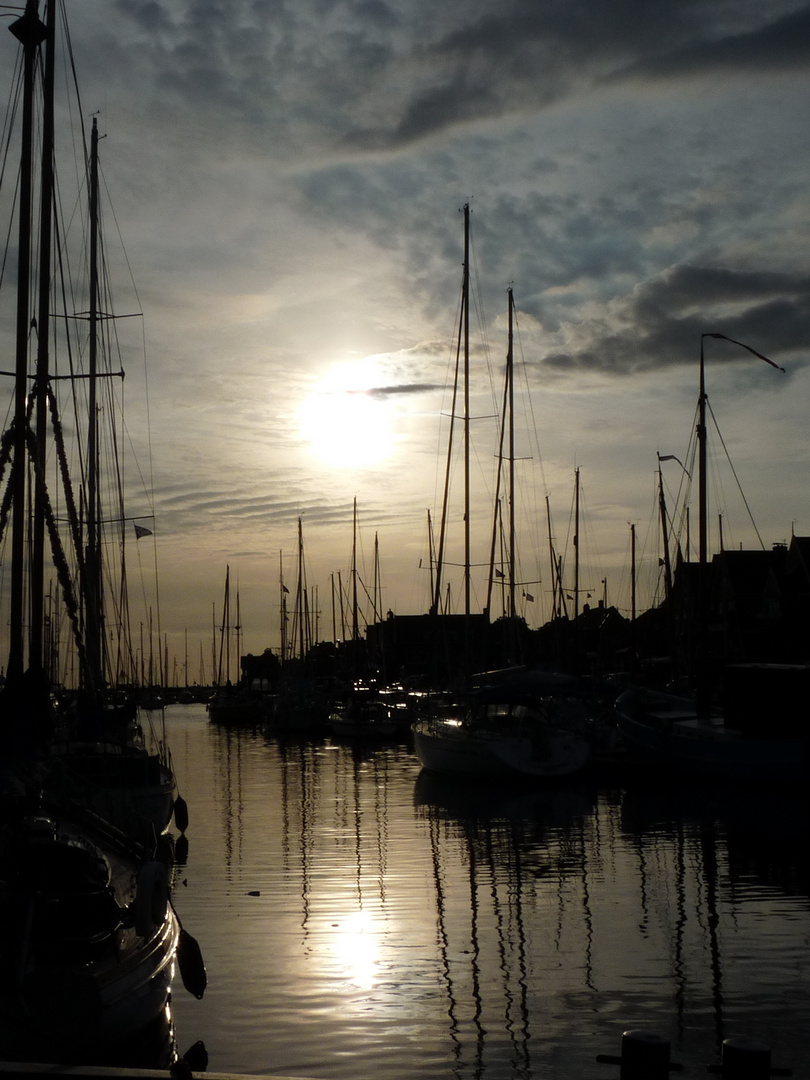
pixel 446 746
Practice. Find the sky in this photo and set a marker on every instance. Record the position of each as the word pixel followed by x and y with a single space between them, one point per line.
pixel 288 179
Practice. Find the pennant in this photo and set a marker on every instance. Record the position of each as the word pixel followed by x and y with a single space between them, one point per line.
pixel 529 597
pixel 748 347
pixel 499 573
pixel 284 588
pixel 141 530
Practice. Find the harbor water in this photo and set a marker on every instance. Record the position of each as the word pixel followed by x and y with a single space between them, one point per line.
pixel 359 918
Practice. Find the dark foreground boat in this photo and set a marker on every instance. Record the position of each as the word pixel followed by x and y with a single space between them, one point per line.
pixel 88 936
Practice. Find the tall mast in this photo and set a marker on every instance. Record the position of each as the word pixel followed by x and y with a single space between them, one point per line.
pixel 30 32
pixel 507 426
pixel 510 368
pixel 702 688
pixel 466 305
pixel 225 632
pixel 95 624
pixel 701 438
pixel 431 562
pixel 462 353
pixel 632 573
pixel 664 533
pixel 299 592
pixel 238 631
pixel 35 636
pixel 576 543
pixel 377 583
pixel 355 621
pixel 282 609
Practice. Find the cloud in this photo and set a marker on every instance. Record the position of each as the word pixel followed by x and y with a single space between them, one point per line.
pixel 520 57
pixel 393 391
pixel 780 46
pixel 660 322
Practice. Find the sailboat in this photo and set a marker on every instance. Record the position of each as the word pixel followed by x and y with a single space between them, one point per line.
pixel 758 733
pixel 509 730
pixel 299 704
pixel 89 938
pixel 233 703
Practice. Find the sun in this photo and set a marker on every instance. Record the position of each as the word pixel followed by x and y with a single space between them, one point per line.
pixel 345 419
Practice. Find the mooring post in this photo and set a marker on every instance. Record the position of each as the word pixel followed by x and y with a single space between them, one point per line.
pixel 645 1056
pixel 744 1058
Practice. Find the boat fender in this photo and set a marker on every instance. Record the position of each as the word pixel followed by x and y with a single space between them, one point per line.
pixel 181 813
pixel 191 964
pixel 151 898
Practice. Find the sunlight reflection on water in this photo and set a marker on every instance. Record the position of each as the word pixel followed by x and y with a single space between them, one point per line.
pixel 359 918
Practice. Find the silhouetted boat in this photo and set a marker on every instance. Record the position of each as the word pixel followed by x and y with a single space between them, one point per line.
pixel 507 731
pixel 363 713
pixel 233 704
pixel 88 938
pixel 758 731
pixel 760 734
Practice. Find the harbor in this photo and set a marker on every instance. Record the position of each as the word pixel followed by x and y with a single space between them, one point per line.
pixel 495 796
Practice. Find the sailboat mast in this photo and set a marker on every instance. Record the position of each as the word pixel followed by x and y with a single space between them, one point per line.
pixel 377 584
pixel 497 512
pixel 702 689
pixel 36 631
pixel 664 533
pixel 576 544
pixel 282 609
pixel 701 438
pixel 300 592
pixel 355 621
pixel 95 634
pixel 238 632
pixel 510 368
pixel 466 304
pixel 632 575
pixel 30 32
pixel 225 632
pixel 553 561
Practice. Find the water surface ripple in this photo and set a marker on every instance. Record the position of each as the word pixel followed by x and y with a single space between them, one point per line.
pixel 360 918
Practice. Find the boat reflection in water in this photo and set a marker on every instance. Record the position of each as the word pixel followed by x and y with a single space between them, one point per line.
pixel 360 916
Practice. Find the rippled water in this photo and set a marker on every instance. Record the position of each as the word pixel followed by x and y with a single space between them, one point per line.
pixel 361 919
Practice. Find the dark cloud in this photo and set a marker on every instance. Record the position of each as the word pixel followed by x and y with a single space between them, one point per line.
pixel 662 321
pixel 405 388
pixel 782 45
pixel 524 55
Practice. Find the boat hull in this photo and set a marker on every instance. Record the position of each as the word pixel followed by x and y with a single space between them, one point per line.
pixel 445 746
pixel 92 1006
pixel 89 939
pixel 127 786
pixel 666 732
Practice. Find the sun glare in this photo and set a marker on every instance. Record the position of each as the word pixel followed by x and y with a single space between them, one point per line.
pixel 356 948
pixel 345 422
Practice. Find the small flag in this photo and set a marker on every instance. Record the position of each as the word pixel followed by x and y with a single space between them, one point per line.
pixel 141 530
pixel 284 588
pixel 529 597
pixel 499 573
